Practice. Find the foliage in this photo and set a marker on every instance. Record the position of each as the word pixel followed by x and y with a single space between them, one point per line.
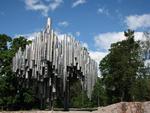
pixel 78 97
pixel 121 69
pixel 8 81
pixel 99 97
pixel 19 42
pixel 141 90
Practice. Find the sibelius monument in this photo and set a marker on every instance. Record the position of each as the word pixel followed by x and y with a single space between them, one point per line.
pixel 49 64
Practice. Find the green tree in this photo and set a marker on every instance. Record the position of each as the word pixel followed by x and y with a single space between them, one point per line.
pixel 121 67
pixel 19 42
pixel 8 81
pixel 6 78
pixel 99 97
pixel 141 89
pixel 78 97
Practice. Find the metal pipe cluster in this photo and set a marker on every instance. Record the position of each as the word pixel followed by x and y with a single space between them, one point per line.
pixel 48 54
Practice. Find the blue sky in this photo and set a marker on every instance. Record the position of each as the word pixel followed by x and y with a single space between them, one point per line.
pixel 96 23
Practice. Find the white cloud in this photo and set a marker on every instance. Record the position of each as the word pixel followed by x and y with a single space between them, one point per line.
pixel 78 2
pixel 39 5
pixel 32 36
pixel 100 10
pixel 139 36
pixel 55 4
pixel 84 44
pixel 63 23
pixel 103 11
pixel 138 21
pixel 29 36
pixel 77 34
pixel 97 56
pixel 103 41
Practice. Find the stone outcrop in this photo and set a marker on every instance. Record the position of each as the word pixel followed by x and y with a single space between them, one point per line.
pixel 126 107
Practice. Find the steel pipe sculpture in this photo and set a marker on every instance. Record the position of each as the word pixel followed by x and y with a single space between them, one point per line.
pixel 48 63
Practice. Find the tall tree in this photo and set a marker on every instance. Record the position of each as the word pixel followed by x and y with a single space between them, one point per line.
pixel 8 81
pixel 120 68
pixel 6 78
pixel 99 97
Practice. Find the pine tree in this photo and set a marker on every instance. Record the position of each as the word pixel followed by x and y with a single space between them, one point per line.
pixel 121 67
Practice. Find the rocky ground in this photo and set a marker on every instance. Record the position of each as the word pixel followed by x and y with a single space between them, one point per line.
pixel 126 107
pixel 122 107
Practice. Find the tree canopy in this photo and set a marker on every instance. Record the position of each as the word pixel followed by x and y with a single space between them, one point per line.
pixel 122 70
pixel 9 91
